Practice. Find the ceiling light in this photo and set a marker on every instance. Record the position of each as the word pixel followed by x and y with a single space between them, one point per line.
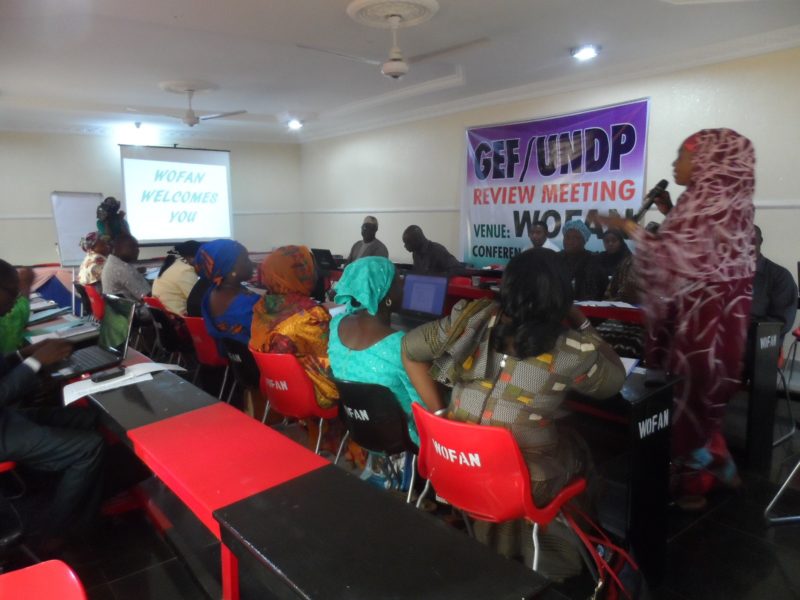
pixel 587 52
pixel 295 124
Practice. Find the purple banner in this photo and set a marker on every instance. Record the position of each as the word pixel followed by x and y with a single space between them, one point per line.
pixel 550 170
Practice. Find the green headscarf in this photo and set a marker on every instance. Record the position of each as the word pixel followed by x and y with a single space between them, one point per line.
pixel 367 281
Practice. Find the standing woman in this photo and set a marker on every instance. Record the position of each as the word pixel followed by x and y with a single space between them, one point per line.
pixel 696 275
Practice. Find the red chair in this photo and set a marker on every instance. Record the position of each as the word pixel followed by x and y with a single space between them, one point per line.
pixel 50 580
pixel 480 470
pixel 96 302
pixel 154 302
pixel 9 466
pixel 205 347
pixel 288 389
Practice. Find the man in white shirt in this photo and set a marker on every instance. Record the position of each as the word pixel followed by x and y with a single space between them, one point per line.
pixel 368 245
pixel 538 236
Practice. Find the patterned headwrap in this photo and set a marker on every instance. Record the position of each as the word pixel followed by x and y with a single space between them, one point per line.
pixel 288 270
pixel 578 226
pixel 367 281
pixel 90 239
pixel 708 236
pixel 216 259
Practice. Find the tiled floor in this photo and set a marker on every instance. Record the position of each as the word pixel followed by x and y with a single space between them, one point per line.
pixel 724 552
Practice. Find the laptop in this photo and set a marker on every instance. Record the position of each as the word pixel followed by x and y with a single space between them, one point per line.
pixel 423 300
pixel 324 259
pixel 111 346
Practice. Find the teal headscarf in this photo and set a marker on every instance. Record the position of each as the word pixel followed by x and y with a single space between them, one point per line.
pixel 367 281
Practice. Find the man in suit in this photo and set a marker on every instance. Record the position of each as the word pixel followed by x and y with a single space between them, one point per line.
pixel 60 440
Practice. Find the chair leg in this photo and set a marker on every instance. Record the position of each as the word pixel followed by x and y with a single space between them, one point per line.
pixel 266 413
pixel 341 446
pixel 793 426
pixel 424 493
pixel 790 519
pixel 413 478
pixel 230 394
pixel 535 546
pixel 319 435
pixel 224 381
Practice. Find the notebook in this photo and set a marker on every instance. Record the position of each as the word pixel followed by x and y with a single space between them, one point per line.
pixel 112 342
pixel 324 259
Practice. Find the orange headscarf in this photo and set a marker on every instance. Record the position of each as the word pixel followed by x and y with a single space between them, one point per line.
pixel 288 270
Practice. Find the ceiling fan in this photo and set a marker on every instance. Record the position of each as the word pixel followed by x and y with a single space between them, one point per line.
pixel 190 117
pixel 394 14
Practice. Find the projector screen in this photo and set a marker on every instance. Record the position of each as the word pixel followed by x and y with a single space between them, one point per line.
pixel 176 194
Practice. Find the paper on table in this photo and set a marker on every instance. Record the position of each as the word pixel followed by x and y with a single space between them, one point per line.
pixel 133 374
pixel 605 304
pixel 629 364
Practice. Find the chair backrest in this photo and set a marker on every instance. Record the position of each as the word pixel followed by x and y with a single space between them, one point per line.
pixel 286 385
pixel 154 302
pixel 86 304
pixel 480 470
pixel 374 417
pixel 171 330
pixel 243 365
pixel 49 580
pixel 96 302
pixel 205 347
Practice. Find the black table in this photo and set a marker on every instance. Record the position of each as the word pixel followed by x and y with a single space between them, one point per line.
pixel 329 535
pixel 132 406
pixel 643 413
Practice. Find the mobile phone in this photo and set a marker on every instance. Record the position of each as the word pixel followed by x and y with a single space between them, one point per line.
pixel 108 374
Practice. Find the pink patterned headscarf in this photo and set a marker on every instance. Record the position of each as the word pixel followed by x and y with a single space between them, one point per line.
pixel 708 236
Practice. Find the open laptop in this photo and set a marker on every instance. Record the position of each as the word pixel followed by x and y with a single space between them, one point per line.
pixel 112 342
pixel 324 259
pixel 423 300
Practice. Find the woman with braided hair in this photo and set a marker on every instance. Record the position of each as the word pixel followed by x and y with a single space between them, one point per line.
pixel 696 275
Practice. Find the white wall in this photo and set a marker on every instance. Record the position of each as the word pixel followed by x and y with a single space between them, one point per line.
pixel 399 172
pixel 265 184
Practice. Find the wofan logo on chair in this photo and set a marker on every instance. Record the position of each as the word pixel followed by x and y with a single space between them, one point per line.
pixel 470 459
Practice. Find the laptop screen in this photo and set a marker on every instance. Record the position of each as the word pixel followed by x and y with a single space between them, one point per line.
pixel 324 258
pixel 424 294
pixel 116 326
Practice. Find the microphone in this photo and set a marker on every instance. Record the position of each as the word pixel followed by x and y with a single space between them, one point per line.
pixel 651 198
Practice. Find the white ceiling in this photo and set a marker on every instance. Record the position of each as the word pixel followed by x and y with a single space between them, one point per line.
pixel 76 65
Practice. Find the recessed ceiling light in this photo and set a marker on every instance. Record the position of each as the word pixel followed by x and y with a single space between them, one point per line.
pixel 295 124
pixel 587 52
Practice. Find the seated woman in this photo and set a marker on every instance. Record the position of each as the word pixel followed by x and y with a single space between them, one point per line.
pixel 97 248
pixel 607 263
pixel 362 346
pixel 177 277
pixel 510 364
pixel 576 262
pixel 288 321
pixel 227 307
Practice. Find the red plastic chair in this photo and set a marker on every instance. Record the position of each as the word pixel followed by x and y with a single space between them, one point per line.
pixel 154 302
pixel 50 580
pixel 205 347
pixel 289 390
pixel 96 302
pixel 9 466
pixel 480 470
